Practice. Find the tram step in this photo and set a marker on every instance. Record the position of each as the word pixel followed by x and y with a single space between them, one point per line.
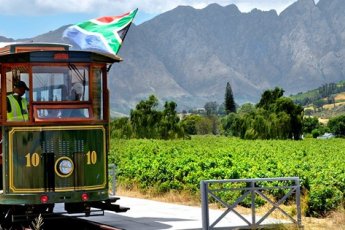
pixel 113 199
pixel 109 205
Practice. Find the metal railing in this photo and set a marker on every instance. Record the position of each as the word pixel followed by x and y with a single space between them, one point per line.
pixel 252 188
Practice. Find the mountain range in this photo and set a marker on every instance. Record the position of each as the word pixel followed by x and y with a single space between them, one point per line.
pixel 188 55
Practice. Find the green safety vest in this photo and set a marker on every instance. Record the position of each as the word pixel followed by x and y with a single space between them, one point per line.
pixel 17 113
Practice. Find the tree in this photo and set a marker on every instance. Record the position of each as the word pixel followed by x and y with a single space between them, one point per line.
pixel 236 124
pixel 246 108
pixel 145 118
pixel 121 128
pixel 169 125
pixel 221 109
pixel 337 125
pixel 205 126
pixel 211 108
pixel 310 123
pixel 189 123
pixel 275 117
pixel 148 122
pixel 295 112
pixel 269 97
pixel 230 106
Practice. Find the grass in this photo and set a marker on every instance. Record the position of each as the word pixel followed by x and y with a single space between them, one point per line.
pixel 340 97
pixel 332 106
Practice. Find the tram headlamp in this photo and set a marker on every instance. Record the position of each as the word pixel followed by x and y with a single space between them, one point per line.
pixel 64 167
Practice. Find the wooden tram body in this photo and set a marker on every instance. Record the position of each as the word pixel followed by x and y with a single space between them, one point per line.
pixel 59 154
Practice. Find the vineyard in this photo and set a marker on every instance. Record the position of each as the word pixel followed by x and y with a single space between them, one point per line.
pixel 180 165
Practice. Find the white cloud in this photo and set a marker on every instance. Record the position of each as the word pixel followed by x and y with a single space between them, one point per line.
pixel 113 7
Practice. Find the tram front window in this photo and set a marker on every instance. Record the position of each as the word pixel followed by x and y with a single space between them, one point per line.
pixel 61 92
pixel 60 83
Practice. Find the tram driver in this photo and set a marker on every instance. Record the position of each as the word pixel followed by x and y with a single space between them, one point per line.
pixel 17 105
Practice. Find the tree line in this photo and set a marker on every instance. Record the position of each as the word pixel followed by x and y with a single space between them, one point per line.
pixel 322 95
pixel 273 117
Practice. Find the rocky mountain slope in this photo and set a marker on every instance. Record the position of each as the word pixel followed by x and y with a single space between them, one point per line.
pixel 188 55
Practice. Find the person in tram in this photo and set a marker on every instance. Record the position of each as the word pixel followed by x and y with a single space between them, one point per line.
pixel 77 95
pixel 17 110
pixel 77 91
pixel 17 105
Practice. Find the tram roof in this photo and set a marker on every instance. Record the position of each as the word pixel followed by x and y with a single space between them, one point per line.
pixel 18 47
pixel 59 56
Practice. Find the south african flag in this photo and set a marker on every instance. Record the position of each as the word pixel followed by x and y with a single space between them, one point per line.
pixel 104 34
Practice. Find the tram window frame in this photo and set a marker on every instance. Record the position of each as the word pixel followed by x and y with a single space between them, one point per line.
pixel 97 88
pixel 38 108
pixel 64 103
pixel 58 69
pixel 12 73
pixel 96 101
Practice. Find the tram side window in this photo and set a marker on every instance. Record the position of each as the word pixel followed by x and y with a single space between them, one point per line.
pixel 97 93
pixel 17 82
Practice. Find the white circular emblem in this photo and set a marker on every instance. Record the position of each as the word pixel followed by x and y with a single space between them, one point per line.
pixel 64 167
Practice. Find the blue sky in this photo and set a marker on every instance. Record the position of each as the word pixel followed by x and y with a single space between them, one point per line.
pixel 29 18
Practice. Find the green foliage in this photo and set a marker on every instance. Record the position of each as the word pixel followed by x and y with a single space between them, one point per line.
pixel 180 165
pixel 327 90
pixel 200 125
pixel 247 108
pixel 121 128
pixel 315 133
pixel 337 125
pixel 323 198
pixel 211 108
pixel 147 122
pixel 269 97
pixel 232 125
pixel 229 102
pixel 316 96
pixel 319 103
pixel 274 117
pixel 189 123
pixel 169 127
pixel 221 110
pixel 295 112
pixel 207 125
pixel 145 118
pixel 310 123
